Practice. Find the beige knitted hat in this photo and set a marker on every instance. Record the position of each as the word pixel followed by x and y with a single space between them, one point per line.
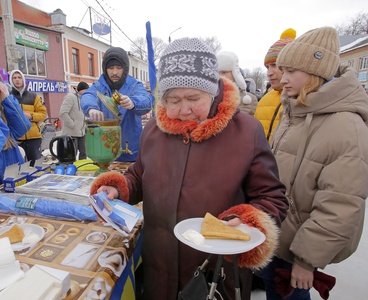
pixel 315 52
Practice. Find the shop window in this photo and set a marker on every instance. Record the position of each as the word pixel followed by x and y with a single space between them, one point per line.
pixel 90 64
pixel 31 61
pixel 75 60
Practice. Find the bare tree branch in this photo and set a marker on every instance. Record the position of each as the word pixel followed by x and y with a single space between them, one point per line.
pixel 139 48
pixel 213 43
pixel 355 26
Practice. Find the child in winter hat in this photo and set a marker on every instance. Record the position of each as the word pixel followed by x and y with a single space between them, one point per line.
pixel 188 63
pixel 229 62
pixel 316 52
pixel 287 36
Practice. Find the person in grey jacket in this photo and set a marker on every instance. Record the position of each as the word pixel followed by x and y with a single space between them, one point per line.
pixel 73 118
pixel 321 148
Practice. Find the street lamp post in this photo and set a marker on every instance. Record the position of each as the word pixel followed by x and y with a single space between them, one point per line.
pixel 172 33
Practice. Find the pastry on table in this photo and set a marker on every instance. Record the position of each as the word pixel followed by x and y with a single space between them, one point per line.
pixel 15 234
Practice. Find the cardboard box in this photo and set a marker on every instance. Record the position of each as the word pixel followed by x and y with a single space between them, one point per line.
pixel 39 283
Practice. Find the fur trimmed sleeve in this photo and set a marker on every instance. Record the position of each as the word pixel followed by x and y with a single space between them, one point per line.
pixel 260 256
pixel 114 179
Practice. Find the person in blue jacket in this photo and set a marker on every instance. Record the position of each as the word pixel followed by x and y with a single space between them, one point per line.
pixel 134 101
pixel 13 125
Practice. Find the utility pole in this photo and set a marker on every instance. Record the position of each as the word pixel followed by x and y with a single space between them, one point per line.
pixel 10 46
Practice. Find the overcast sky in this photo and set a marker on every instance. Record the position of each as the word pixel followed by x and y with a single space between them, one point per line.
pixel 246 27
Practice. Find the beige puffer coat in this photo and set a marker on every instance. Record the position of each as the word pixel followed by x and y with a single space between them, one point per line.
pixel 327 202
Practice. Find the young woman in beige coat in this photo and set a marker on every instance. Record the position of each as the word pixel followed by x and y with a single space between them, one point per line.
pixel 321 147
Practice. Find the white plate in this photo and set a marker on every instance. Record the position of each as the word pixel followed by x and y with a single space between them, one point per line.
pixel 219 246
pixel 27 228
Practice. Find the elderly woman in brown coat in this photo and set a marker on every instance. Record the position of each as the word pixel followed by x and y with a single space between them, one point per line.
pixel 198 155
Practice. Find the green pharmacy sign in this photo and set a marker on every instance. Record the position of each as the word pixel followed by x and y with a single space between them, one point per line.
pixel 31 38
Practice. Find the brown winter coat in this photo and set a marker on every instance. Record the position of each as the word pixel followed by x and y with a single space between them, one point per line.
pixel 326 214
pixel 185 169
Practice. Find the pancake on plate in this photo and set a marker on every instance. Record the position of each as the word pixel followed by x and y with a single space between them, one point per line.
pixel 213 228
pixel 15 234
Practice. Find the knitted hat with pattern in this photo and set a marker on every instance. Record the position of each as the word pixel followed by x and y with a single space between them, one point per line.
pixel 286 37
pixel 315 52
pixel 188 63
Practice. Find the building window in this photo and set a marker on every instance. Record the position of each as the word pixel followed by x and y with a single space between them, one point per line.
pixel 90 64
pixel 75 60
pixel 351 63
pixel 31 61
pixel 363 63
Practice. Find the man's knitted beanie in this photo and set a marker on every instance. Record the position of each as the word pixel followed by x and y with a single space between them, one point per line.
pixel 188 63
pixel 286 37
pixel 315 52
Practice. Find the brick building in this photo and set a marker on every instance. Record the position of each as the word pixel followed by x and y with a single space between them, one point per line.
pixel 53 56
pixel 37 46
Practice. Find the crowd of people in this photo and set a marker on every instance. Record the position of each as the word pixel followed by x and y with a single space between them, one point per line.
pixel 312 107
pixel 281 163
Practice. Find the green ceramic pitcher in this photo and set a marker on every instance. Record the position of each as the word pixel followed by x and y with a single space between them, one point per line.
pixel 103 142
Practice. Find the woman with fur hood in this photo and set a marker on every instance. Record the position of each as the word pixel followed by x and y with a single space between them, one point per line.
pixel 198 155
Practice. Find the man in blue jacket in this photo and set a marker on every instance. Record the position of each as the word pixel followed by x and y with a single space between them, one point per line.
pixel 134 101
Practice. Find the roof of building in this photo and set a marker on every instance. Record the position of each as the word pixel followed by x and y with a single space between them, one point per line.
pixel 351 42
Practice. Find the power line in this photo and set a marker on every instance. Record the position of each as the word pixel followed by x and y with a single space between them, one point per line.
pixel 115 23
pixel 129 39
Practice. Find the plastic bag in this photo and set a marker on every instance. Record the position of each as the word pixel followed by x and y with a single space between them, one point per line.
pixel 47 208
